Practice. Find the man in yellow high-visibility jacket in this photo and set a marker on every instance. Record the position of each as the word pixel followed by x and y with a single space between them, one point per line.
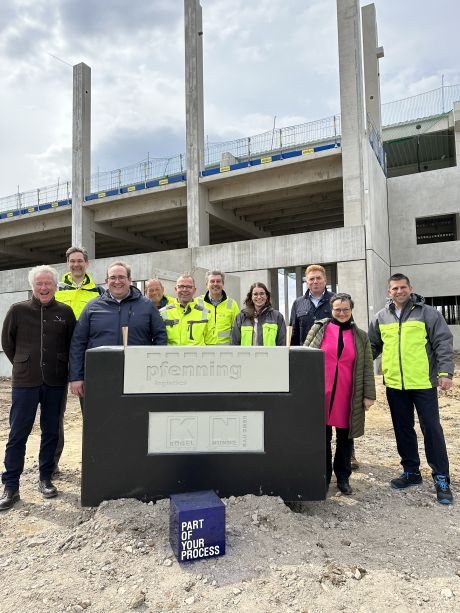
pixel 224 309
pixel 188 321
pixel 76 289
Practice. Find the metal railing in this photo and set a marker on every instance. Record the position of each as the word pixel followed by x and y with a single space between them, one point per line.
pixel 376 143
pixel 279 139
pixel 142 172
pixel 434 102
pixel 37 197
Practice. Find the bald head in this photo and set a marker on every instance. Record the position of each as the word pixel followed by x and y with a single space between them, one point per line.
pixel 154 290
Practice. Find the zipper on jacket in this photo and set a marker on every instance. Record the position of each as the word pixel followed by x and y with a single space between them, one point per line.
pixel 399 340
pixel 41 341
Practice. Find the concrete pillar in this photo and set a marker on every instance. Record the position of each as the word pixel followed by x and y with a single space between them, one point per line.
pixel 351 278
pixel 457 132
pixel 82 218
pixel 371 55
pixel 197 216
pixel 352 109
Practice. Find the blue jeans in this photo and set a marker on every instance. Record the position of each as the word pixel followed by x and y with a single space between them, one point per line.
pixel 402 403
pixel 25 401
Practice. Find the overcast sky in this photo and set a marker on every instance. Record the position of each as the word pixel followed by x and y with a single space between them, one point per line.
pixel 264 58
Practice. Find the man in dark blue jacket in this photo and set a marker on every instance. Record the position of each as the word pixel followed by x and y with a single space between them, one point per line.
pixel 313 305
pixel 102 319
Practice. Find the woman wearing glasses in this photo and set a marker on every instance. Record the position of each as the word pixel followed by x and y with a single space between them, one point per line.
pixel 258 323
pixel 350 383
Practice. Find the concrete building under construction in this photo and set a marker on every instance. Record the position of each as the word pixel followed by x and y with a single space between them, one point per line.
pixel 362 200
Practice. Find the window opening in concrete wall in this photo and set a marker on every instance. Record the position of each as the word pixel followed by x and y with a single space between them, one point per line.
pixel 449 306
pixel 438 229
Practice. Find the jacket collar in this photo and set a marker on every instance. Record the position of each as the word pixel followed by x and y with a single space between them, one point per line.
pixel 36 302
pixel 208 299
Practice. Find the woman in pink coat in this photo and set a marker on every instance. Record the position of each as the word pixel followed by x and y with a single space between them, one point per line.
pixel 349 381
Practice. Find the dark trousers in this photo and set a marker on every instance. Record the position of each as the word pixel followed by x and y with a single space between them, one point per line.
pixel 60 444
pixel 402 404
pixel 342 456
pixel 25 401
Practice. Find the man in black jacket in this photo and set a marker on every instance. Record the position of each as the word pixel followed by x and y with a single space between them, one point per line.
pixel 313 305
pixel 36 338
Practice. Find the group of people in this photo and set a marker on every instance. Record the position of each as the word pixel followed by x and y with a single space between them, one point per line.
pixel 46 338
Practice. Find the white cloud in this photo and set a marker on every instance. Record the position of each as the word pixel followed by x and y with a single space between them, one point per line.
pixel 261 59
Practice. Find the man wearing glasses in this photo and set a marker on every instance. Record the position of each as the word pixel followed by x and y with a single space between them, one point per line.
pixel 187 321
pixel 102 320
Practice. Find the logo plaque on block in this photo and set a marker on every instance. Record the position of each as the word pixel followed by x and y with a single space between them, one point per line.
pixel 197 526
pixel 160 370
pixel 206 432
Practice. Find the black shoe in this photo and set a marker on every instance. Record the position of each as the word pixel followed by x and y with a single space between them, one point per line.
pixel 406 480
pixel 8 498
pixel 443 493
pixel 47 489
pixel 344 487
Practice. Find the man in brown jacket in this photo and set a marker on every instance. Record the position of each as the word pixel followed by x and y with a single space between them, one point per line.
pixel 36 338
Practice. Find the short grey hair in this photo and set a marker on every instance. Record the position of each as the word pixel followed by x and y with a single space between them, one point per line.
pixel 33 272
pixel 154 279
pixel 76 249
pixel 211 273
pixel 187 275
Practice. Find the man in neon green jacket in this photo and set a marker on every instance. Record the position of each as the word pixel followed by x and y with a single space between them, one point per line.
pixel 417 357
pixel 76 289
pixel 224 309
pixel 188 321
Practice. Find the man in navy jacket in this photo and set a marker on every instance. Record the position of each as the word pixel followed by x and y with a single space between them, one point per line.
pixel 102 319
pixel 313 305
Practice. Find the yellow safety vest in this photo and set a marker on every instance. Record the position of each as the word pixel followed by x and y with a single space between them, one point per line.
pixel 190 325
pixel 224 316
pixel 77 297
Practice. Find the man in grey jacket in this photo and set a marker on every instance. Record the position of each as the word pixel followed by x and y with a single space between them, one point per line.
pixel 417 358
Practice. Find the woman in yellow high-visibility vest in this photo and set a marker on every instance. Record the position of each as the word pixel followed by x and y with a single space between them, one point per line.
pixel 259 323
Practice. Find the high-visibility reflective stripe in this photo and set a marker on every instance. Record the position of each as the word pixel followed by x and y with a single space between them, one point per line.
pixel 269 333
pixel 246 335
pixel 223 334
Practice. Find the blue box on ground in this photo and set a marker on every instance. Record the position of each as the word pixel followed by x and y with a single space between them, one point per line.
pixel 197 526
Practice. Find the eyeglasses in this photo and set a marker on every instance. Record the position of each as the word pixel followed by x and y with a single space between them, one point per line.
pixel 117 278
pixel 185 287
pixel 344 311
pixel 259 294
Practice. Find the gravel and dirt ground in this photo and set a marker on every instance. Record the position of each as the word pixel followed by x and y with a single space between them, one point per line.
pixel 378 550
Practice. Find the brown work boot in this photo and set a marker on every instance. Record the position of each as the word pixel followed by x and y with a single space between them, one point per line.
pixel 354 462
